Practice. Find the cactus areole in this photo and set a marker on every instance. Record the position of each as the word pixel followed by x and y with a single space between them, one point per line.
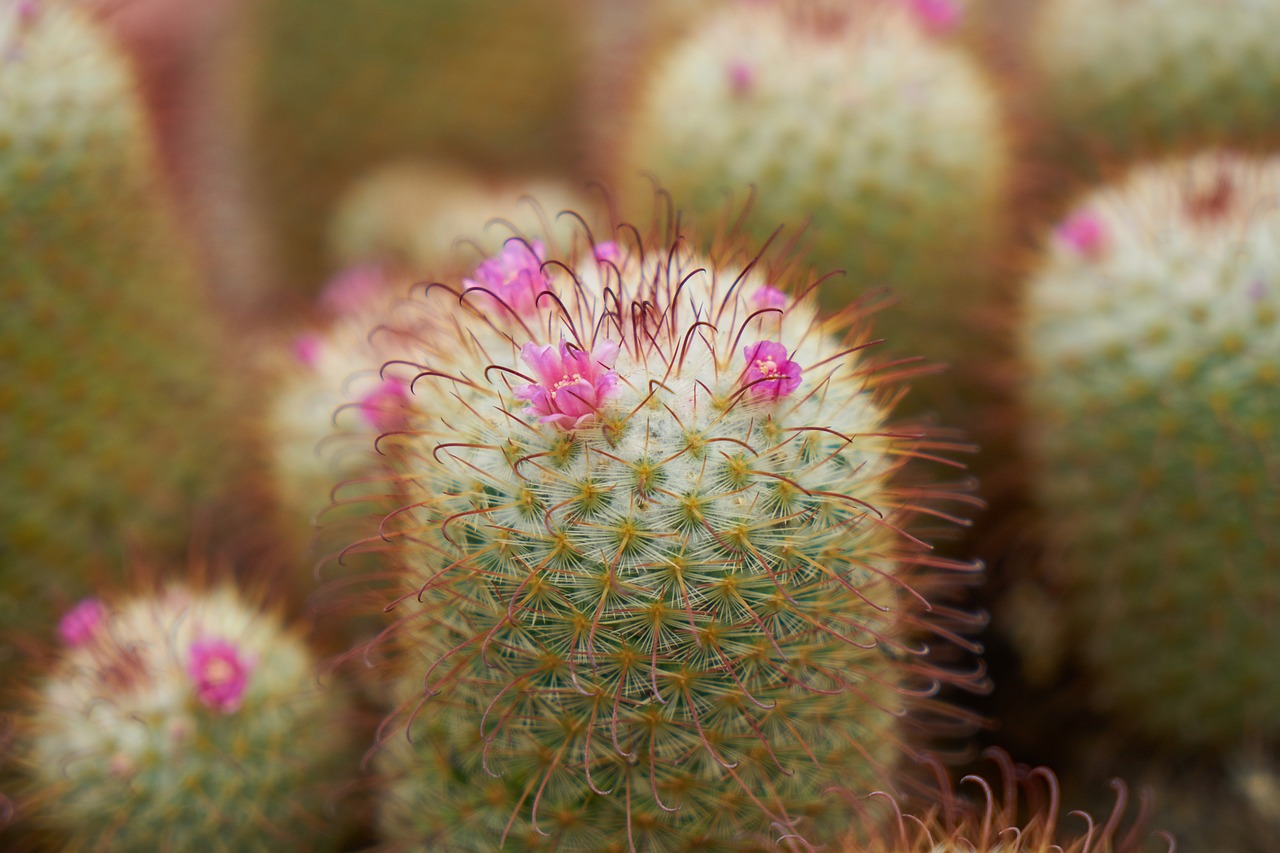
pixel 652 587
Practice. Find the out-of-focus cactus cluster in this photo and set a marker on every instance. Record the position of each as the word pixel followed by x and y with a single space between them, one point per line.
pixel 640 427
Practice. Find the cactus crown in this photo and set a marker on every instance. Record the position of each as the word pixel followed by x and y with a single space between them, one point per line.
pixel 651 559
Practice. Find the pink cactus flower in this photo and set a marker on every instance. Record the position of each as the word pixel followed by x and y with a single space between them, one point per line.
pixel 742 77
pixel 383 407
pixel 572 383
pixel 353 290
pixel 1083 233
pixel 938 17
pixel 220 672
pixel 307 349
pixel 768 297
pixel 514 275
pixel 79 624
pixel 770 373
pixel 607 252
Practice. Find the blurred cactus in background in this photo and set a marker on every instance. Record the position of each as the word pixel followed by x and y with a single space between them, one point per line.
pixel 117 401
pixel 1153 351
pixel 344 86
pixel 184 720
pixel 1113 82
pixel 430 219
pixel 651 590
pixel 862 119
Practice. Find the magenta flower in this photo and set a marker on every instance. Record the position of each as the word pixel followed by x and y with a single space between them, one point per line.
pixel 607 251
pixel 770 373
pixel 307 349
pixel 1084 233
pixel 220 672
pixel 938 17
pixel 352 290
pixel 572 383
pixel 383 407
pixel 78 625
pixel 768 297
pixel 742 77
pixel 514 275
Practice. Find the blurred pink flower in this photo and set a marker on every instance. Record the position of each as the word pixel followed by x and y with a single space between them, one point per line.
pixel 607 251
pixel 572 383
pixel 383 407
pixel 514 275
pixel 768 297
pixel 742 77
pixel 1084 233
pixel 307 348
pixel 353 290
pixel 770 373
pixel 938 17
pixel 220 672
pixel 80 623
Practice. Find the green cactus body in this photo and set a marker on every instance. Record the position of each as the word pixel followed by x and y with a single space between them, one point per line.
pixel 343 86
pixel 1119 80
pixel 184 721
pixel 416 216
pixel 651 592
pixel 114 404
pixel 1152 344
pixel 886 138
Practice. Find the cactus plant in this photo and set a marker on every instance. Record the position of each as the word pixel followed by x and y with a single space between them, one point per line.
pixel 865 121
pixel 184 720
pixel 1152 344
pixel 649 585
pixel 1115 81
pixel 415 215
pixel 344 86
pixel 115 401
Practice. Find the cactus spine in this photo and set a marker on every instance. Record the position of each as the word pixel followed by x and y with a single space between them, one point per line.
pixel 1152 343
pixel 651 591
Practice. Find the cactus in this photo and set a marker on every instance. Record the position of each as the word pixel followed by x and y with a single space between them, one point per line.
pixel 330 399
pixel 649 588
pixel 415 216
pixel 864 120
pixel 1116 81
pixel 115 402
pixel 184 720
pixel 344 86
pixel 1152 344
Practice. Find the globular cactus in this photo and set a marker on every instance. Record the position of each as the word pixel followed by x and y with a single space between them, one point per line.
pixel 430 219
pixel 1114 81
pixel 183 720
pixel 649 587
pixel 330 400
pixel 1152 344
pixel 115 401
pixel 340 87
pixel 864 120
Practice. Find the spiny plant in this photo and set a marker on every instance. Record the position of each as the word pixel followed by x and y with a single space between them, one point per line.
pixel 999 823
pixel 649 585
pixel 183 719
pixel 1115 81
pixel 423 216
pixel 864 120
pixel 115 400
pixel 330 399
pixel 344 86
pixel 1152 345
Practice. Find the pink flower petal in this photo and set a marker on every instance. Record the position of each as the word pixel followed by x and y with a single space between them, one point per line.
pixel 220 672
pixel 938 17
pixel 79 624
pixel 514 276
pixel 770 373
pixel 1084 233
pixel 572 383
pixel 383 407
